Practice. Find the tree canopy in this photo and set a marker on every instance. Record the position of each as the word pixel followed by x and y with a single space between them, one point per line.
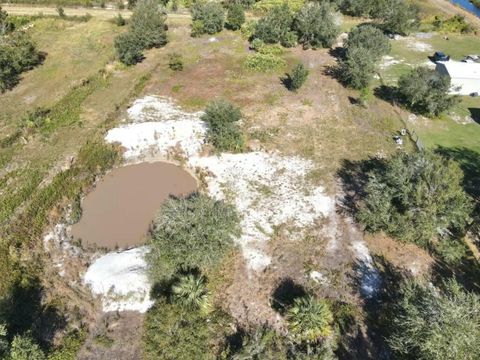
pixel 207 18
pixel 315 25
pixel 417 198
pixel 275 27
pixel 192 232
pixel 425 91
pixel 436 324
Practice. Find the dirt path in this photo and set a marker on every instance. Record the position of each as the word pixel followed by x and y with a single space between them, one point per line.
pixel 23 9
pixel 448 8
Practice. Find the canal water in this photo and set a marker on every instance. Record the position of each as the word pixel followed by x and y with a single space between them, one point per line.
pixel 467 5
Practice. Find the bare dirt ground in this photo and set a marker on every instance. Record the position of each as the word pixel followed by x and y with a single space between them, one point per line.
pixel 21 9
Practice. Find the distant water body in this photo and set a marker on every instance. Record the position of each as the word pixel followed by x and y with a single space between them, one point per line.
pixel 467 5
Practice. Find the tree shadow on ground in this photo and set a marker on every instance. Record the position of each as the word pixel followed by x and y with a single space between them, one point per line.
pixel 22 311
pixel 387 93
pixel 285 294
pixel 475 114
pixel 354 178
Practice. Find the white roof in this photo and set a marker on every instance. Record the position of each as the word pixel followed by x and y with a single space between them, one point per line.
pixel 462 70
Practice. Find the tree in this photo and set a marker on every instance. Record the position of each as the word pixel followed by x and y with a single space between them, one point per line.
pixel 426 91
pixel 436 324
pixel 207 18
pixel 298 76
pixel 315 25
pixel 370 38
pixel 147 24
pixel 191 291
pixel 129 50
pixel 416 198
pixel 24 348
pixel 357 68
pixel 399 17
pixel 235 17
pixel 223 130
pixel 192 232
pixel 275 27
pixel 309 319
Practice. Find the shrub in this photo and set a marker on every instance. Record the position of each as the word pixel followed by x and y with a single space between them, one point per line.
pixel 436 324
pixel 175 332
pixel 147 24
pixel 17 54
pixel 175 62
pixel 147 30
pixel 454 24
pixel 235 17
pixel 315 25
pixel 416 198
pixel 119 20
pixel 296 78
pixel 129 50
pixel 24 348
pixel 191 291
pixel 248 29
pixel 267 5
pixel 207 18
pixel 223 131
pixel 370 38
pixel 60 12
pixel 425 91
pixel 194 232
pixel 309 319
pixel 275 26
pixel 357 68
pixel 6 25
pixel 264 62
pixel 399 17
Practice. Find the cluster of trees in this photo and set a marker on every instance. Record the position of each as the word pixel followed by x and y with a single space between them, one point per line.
pixel 17 53
pixel 209 17
pixel 147 29
pixel 313 26
pixel 364 48
pixel 419 198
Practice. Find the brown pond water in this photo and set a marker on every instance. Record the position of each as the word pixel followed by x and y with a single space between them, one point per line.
pixel 119 211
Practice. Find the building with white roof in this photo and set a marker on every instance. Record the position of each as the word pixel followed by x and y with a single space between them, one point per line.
pixel 465 76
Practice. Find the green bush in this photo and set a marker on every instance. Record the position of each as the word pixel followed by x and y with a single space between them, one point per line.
pixel 175 62
pixel 175 332
pixel 129 50
pixel 454 24
pixel 147 29
pixel 426 92
pixel 435 324
pixel 6 25
pixel 267 5
pixel 17 54
pixel 235 17
pixel 194 232
pixel 264 62
pixel 223 131
pixel 274 27
pixel 248 29
pixel 309 319
pixel 119 20
pixel 296 78
pixel 207 18
pixel 315 25
pixel 416 198
pixel 24 348
pixel 370 38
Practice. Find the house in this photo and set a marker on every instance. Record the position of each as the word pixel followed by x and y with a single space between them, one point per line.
pixel 465 77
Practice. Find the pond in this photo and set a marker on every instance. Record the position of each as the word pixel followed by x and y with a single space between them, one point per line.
pixel 467 5
pixel 119 211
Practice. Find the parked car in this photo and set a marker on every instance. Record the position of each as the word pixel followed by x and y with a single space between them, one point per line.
pixel 440 56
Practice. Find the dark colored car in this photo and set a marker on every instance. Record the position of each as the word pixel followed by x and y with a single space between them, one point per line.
pixel 440 56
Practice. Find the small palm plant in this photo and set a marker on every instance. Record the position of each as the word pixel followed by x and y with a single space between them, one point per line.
pixel 309 319
pixel 191 291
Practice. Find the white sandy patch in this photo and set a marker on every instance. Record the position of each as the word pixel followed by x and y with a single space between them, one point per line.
pixel 269 190
pixel 120 279
pixel 370 278
pixel 419 46
pixel 388 61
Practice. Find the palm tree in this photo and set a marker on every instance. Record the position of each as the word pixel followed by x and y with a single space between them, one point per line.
pixel 191 291
pixel 309 319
